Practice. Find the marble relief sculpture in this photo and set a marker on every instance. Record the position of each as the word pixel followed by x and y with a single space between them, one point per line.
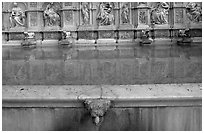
pixel 159 13
pixel 105 14
pixel 17 18
pixel 194 12
pixel 125 13
pixel 85 13
pixel 51 16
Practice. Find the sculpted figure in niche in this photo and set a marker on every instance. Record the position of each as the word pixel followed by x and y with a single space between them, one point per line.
pixel 85 13
pixel 194 12
pixel 17 18
pixel 105 15
pixel 51 16
pixel 159 13
pixel 125 13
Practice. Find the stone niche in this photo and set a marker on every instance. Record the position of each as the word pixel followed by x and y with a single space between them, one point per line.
pixel 100 21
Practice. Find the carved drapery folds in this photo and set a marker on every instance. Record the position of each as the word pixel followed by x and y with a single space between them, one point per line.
pixel 17 17
pixel 105 14
pixel 85 10
pixel 51 15
pixel 125 13
pixel 159 13
pixel 194 12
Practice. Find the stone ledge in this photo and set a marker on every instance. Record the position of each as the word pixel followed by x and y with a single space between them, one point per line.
pixel 148 95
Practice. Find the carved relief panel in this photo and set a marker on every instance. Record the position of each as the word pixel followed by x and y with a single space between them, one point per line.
pixel 179 10
pixel 51 14
pixel 105 14
pixel 33 15
pixel 125 12
pixel 194 12
pixel 143 15
pixel 17 18
pixel 159 14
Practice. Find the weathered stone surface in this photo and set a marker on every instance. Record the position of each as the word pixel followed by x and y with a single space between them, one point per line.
pixel 116 119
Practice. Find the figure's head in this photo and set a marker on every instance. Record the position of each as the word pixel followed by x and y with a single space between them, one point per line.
pixel 15 4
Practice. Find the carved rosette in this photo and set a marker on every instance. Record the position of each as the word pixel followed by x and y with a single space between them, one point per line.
pixel 97 108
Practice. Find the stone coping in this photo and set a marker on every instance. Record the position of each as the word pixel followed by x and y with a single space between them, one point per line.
pixel 148 95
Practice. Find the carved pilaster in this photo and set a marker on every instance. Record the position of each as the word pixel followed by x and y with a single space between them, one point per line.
pixel 97 108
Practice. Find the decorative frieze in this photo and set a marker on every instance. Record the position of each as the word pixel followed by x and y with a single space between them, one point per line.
pixel 51 35
pixel 106 34
pixel 126 35
pixel 86 35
